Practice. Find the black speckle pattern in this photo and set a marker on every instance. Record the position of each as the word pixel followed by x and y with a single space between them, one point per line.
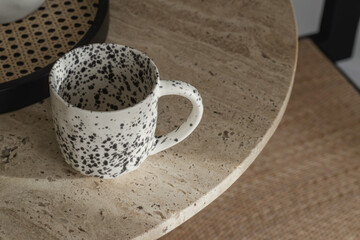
pixel 104 101
pixel 104 77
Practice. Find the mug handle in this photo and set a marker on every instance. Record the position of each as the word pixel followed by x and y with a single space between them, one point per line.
pixel 174 137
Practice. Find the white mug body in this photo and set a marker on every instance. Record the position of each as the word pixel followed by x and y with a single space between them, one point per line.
pixel 104 102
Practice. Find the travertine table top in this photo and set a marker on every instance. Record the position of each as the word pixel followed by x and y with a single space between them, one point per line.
pixel 240 55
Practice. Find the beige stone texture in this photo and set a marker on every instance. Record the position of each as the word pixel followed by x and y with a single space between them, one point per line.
pixel 240 55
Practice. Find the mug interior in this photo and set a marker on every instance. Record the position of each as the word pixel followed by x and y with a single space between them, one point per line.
pixel 103 77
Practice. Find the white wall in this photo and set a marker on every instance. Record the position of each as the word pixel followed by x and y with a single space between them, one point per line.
pixel 308 15
pixel 357 42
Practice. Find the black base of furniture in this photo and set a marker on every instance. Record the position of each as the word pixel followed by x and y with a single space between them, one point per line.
pixel 338 28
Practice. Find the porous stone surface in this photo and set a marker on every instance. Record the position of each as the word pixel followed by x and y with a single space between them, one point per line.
pixel 240 55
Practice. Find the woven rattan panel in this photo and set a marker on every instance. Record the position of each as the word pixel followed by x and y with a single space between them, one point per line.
pixel 306 182
pixel 42 37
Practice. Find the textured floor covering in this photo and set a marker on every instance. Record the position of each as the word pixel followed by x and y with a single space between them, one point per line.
pixel 306 182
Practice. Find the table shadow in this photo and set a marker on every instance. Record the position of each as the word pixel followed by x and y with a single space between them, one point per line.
pixel 28 146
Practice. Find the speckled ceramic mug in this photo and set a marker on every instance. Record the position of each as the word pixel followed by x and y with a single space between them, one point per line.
pixel 104 101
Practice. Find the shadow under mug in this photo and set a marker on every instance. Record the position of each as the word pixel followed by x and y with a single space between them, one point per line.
pixel 104 101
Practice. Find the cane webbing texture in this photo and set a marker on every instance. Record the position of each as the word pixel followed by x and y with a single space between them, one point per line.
pixel 42 37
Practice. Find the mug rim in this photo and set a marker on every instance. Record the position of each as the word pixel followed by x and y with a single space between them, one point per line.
pixel 58 97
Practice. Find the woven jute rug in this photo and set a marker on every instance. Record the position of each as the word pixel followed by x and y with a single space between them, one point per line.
pixel 306 182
